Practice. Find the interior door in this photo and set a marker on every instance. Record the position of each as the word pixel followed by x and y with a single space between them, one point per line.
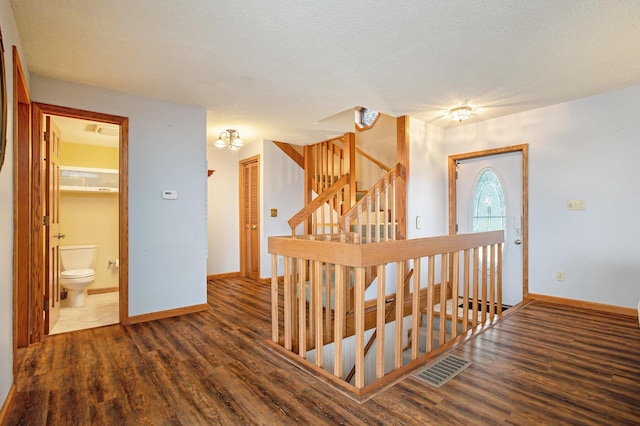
pixel 489 197
pixel 250 216
pixel 52 224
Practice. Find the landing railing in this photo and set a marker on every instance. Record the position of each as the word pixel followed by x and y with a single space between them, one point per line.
pixel 311 324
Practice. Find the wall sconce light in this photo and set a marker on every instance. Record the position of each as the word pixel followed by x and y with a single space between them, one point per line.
pixel 460 113
pixel 229 139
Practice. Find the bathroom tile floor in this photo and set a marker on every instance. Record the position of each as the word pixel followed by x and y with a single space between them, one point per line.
pixel 100 309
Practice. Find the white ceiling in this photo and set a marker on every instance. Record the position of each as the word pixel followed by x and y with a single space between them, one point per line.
pixel 88 132
pixel 276 69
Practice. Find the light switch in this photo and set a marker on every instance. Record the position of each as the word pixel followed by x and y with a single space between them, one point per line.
pixel 169 195
pixel 418 222
pixel 575 205
pixel 274 212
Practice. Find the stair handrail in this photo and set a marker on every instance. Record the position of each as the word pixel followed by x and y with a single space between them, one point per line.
pixel 304 213
pixel 345 222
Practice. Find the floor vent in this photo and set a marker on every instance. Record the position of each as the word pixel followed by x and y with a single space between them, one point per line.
pixel 441 371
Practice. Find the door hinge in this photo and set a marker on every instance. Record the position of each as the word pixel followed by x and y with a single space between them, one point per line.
pixel 456 228
pixel 46 304
pixel 46 220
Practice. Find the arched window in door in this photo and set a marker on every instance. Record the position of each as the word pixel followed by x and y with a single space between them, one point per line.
pixel 489 211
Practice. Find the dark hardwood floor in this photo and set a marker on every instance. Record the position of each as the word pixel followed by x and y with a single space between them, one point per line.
pixel 545 364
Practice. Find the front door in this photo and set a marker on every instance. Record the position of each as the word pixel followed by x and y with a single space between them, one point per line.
pixel 52 224
pixel 250 218
pixel 489 197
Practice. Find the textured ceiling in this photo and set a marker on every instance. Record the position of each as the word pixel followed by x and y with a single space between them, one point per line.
pixel 277 69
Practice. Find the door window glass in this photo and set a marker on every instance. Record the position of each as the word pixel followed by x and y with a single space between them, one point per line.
pixel 488 208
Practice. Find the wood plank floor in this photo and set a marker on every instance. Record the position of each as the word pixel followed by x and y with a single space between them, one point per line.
pixel 545 364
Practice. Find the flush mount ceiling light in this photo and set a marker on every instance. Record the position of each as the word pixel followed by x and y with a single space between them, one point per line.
pixel 460 113
pixel 229 139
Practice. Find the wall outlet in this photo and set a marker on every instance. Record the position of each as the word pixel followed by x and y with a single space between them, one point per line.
pixel 560 276
pixel 274 212
pixel 575 205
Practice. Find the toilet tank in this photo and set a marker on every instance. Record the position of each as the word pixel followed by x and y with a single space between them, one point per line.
pixel 78 257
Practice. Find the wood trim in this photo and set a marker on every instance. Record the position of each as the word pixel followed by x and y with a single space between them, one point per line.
pixel 349 152
pixel 103 290
pixel 21 209
pixel 38 109
pixel 223 276
pixel 8 404
pixel 37 231
pixel 612 309
pixel 210 172
pixel 291 152
pixel 152 316
pixel 524 148
pixel 404 158
pixel 317 202
pixel 373 160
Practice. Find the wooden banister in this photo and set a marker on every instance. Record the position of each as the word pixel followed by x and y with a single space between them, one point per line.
pixel 317 202
pixel 291 152
pixel 373 160
pixel 387 314
pixel 383 205
pixel 313 327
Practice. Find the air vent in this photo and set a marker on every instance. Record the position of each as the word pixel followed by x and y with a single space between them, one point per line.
pixel 441 371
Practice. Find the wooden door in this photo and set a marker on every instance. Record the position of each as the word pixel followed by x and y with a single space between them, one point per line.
pixel 52 224
pixel 250 218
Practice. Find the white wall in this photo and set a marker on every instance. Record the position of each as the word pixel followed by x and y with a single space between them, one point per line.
pixel 223 212
pixel 167 150
pixel 282 189
pixel 586 149
pixel 427 196
pixel 10 38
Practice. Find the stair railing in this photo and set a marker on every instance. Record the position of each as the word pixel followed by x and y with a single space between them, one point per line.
pixel 374 215
pixel 312 326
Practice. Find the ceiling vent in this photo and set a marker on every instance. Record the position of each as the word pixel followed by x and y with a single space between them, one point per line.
pixel 105 129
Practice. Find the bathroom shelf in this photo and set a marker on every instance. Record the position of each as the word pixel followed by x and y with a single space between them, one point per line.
pixel 87 179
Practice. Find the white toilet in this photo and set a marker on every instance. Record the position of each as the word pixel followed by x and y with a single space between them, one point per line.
pixel 78 272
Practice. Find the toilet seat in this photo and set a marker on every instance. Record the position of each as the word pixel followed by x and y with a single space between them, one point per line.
pixel 77 273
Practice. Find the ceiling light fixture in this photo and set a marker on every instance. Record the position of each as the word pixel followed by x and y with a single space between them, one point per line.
pixel 229 139
pixel 460 113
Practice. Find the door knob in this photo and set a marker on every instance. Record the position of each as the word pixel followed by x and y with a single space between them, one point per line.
pixel 517 242
pixel 60 236
pixel 254 226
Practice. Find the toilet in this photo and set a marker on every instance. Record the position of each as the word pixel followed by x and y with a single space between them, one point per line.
pixel 78 272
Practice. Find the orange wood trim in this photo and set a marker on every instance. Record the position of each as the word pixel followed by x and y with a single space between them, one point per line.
pixel 38 109
pixel 373 160
pixel 103 290
pixel 168 313
pixel 291 152
pixel 21 209
pixel 8 404
pixel 317 202
pixel 403 157
pixel 350 167
pixel 223 276
pixel 612 309
pixel 210 172
pixel 37 231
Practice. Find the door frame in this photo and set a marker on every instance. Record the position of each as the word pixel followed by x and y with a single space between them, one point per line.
pixel 243 236
pixel 37 284
pixel 21 208
pixel 453 211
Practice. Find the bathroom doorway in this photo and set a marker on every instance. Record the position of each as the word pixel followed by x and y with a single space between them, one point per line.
pixel 103 141
pixel 87 235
